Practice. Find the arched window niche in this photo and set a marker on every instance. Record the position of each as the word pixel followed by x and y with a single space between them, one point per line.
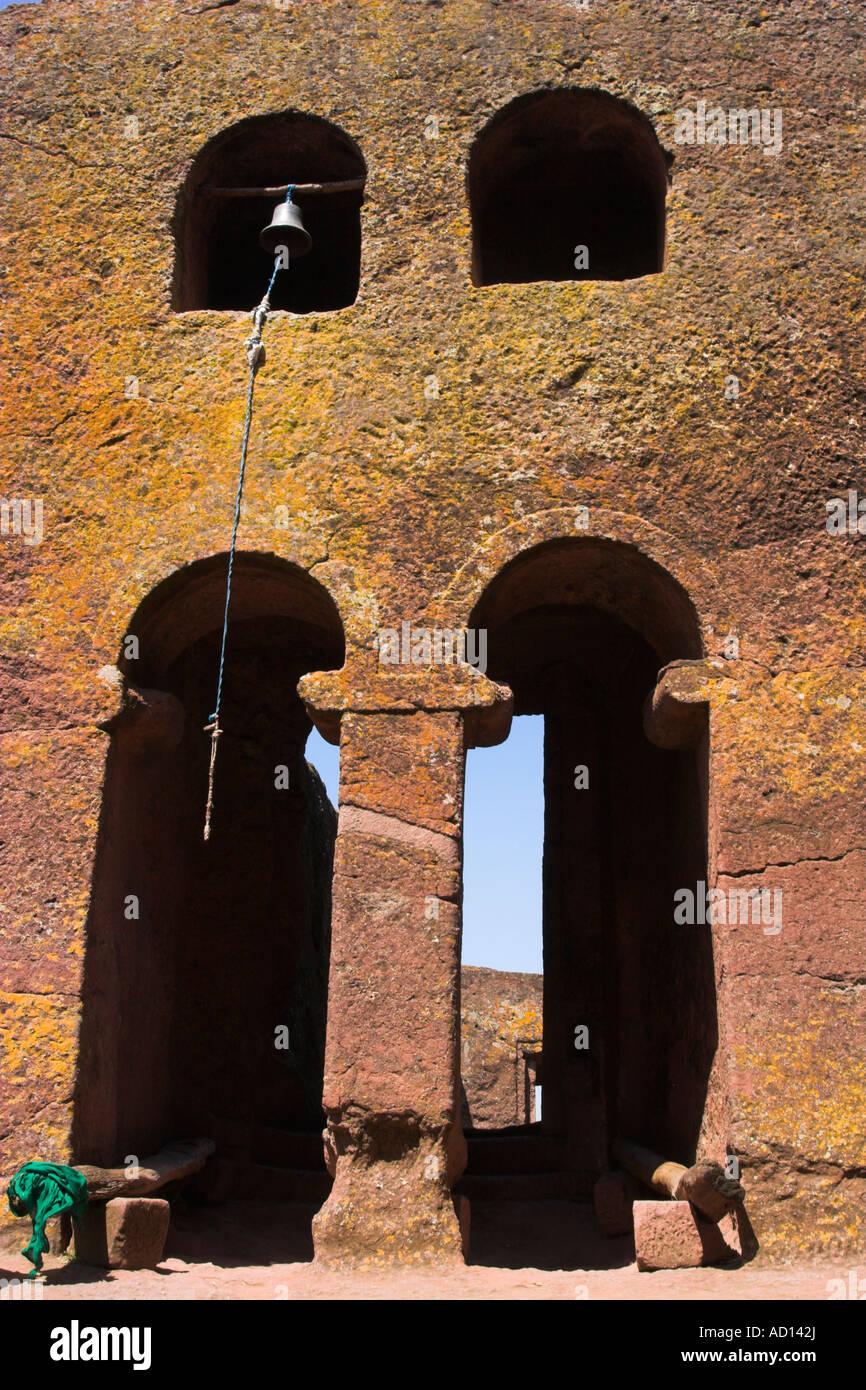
pixel 219 263
pixel 557 171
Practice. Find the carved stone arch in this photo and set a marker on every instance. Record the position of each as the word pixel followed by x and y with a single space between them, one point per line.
pixel 629 539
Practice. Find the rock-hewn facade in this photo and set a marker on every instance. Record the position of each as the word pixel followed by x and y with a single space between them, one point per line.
pixel 500 1047
pixel 608 475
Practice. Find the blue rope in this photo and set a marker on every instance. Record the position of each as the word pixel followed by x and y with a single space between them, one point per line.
pixel 214 725
pixel 238 498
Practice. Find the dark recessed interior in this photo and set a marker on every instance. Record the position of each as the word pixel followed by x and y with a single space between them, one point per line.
pixel 219 263
pixel 560 170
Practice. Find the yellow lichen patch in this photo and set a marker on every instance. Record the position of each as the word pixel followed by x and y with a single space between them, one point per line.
pixel 807 1096
pixel 39 1042
pixel 801 728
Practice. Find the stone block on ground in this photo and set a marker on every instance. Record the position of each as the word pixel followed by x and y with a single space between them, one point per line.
pixel 672 1235
pixel 125 1233
pixel 666 1236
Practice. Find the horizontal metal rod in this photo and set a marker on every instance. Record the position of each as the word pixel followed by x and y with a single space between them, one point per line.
pixel 281 190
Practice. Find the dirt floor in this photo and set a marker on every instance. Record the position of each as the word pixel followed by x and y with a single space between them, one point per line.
pixel 248 1250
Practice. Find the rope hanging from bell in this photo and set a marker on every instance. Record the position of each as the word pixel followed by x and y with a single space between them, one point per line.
pixel 284 237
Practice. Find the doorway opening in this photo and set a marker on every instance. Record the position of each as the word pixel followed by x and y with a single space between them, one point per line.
pixel 501 965
pixel 579 630
pixel 206 968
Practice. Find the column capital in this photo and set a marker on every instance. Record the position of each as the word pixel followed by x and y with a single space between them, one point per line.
pixel 674 711
pixel 366 686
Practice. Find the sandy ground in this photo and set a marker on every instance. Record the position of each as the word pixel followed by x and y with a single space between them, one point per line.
pixel 176 1280
pixel 248 1251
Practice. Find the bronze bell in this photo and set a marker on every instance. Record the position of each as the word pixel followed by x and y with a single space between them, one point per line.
pixel 286 228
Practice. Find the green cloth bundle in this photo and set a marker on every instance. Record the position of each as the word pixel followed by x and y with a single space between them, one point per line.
pixel 43 1190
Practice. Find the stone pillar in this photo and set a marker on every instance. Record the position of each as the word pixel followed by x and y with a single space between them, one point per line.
pixel 394 1140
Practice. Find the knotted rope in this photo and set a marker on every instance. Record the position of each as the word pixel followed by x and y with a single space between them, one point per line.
pixel 254 348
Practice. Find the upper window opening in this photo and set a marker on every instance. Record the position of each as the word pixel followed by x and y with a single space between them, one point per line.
pixel 567 185
pixel 219 263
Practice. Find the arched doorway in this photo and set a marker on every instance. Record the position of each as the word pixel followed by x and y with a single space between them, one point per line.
pixel 205 984
pixel 579 629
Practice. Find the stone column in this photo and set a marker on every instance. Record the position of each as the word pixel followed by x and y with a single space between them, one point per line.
pixel 394 1141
